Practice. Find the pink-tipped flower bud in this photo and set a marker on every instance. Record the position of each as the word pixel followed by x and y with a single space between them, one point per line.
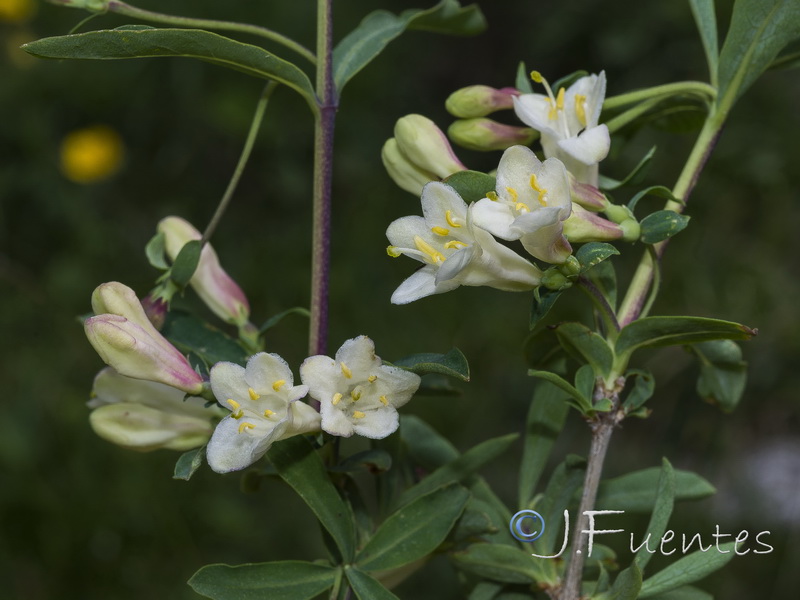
pixel 426 146
pixel 141 353
pixel 585 226
pixel 588 196
pixel 485 134
pixel 403 172
pixel 214 286
pixel 156 309
pixel 479 101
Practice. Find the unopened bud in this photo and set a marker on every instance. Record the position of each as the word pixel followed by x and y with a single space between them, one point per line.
pixel 484 134
pixel 588 196
pixel 479 101
pixel 426 146
pixel 584 226
pixel 403 172
pixel 214 286
pixel 553 279
pixel 115 298
pixel 156 309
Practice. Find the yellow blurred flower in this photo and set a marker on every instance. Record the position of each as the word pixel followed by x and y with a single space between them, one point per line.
pixel 17 11
pixel 91 154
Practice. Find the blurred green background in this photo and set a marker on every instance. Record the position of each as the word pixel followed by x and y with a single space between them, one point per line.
pixel 82 519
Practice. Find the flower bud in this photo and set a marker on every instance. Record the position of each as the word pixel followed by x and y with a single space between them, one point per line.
pixel 115 298
pixel 214 286
pixel 403 172
pixel 156 309
pixel 485 134
pixel 585 226
pixel 479 101
pixel 588 196
pixel 426 146
pixel 136 352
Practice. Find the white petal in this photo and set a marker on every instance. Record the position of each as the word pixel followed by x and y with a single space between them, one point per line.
pixel 548 244
pixel 555 179
pixel 230 450
pixel 533 110
pixel 495 217
pixel 530 222
pixel 359 356
pixel 437 199
pixel 334 421
pixel 588 148
pixel 401 232
pixel 265 369
pixel 377 424
pixel 398 385
pixel 304 420
pixel 227 381
pixel 322 375
pixel 420 284
pixel 515 168
pixel 455 264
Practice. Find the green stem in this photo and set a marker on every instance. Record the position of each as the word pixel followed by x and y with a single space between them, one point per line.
pixel 121 8
pixel 669 89
pixel 243 158
pixel 323 178
pixel 602 306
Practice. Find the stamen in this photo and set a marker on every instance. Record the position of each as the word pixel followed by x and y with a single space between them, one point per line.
pixel 355 395
pixel 560 99
pixel 357 414
pixel 521 206
pixel 552 114
pixel 542 192
pixel 580 109
pixel 268 413
pixel 276 385
pixel 346 371
pixel 237 412
pixel 448 216
pixel 372 378
pixel 455 244
pixel 246 425
pixel 440 231
pixel 551 101
pixel 253 395
pixel 432 252
pixel 392 251
pixel 492 196
pixel 537 77
pixel 384 400
pixel 513 193
pixel 337 397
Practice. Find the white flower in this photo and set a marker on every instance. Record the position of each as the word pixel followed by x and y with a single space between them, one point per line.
pixel 453 251
pixel 568 123
pixel 357 393
pixel 264 409
pixel 531 202
pixel 145 415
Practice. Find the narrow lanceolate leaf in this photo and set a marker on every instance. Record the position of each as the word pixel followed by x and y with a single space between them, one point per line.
pixel 703 12
pixel 686 592
pixel 669 331
pixel 759 30
pixel 190 43
pixel 636 492
pixel 301 467
pixel 632 178
pixel 368 40
pixel 585 344
pixel 415 530
pixel 665 500
pixel 367 587
pixel 282 580
pixel 688 569
pixel 626 585
pixel 502 563
pixel 573 397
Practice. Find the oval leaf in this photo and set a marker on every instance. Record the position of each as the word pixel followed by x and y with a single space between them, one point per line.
pixel 662 224
pixel 190 334
pixel 471 185
pixel 186 263
pixel 723 373
pixel 282 580
pixel 454 364
pixel 543 301
pixel 577 339
pixel 188 463
pixel 367 587
pixel 594 253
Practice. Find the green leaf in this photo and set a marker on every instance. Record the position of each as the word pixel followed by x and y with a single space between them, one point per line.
pixel 190 43
pixel 626 585
pixel 593 253
pixel 485 590
pixel 359 47
pixel 662 224
pixel 188 463
pixel 634 177
pixel 565 481
pixel 643 387
pixel 474 522
pixel 759 30
pixel 723 373
pixel 461 468
pixel 636 492
pixel 604 278
pixel 546 417
pixel 282 580
pixel 703 12
pixel 300 466
pixel 582 342
pixel 584 381
pixel 669 331
pixel 574 398
pixel 523 80
pixel 685 592
pixel 471 185
pixel 415 530
pixel 502 563
pixel 789 60
pixel 186 263
pixel 654 190
pixel 274 320
pixel 665 500
pixel 453 364
pixel 188 333
pixel 155 250
pixel 543 301
pixel 367 587
pixel 688 569
pixel 372 461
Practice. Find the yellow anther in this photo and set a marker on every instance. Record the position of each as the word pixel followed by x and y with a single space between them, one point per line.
pixel 492 196
pixel 521 206
pixel 276 385
pixel 346 370
pixel 234 404
pixel 455 244
pixel 537 77
pixel 426 248
pixel 440 230
pixel 542 192
pixel 357 414
pixel 448 216
pixel 253 395
pixel 372 378
pixel 355 395
pixel 392 251
pixel 580 109
pixel 552 113
pixel 384 400
pixel 268 413
pixel 237 412
pixel 513 193
pixel 337 397
pixel 246 425
pixel 560 99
